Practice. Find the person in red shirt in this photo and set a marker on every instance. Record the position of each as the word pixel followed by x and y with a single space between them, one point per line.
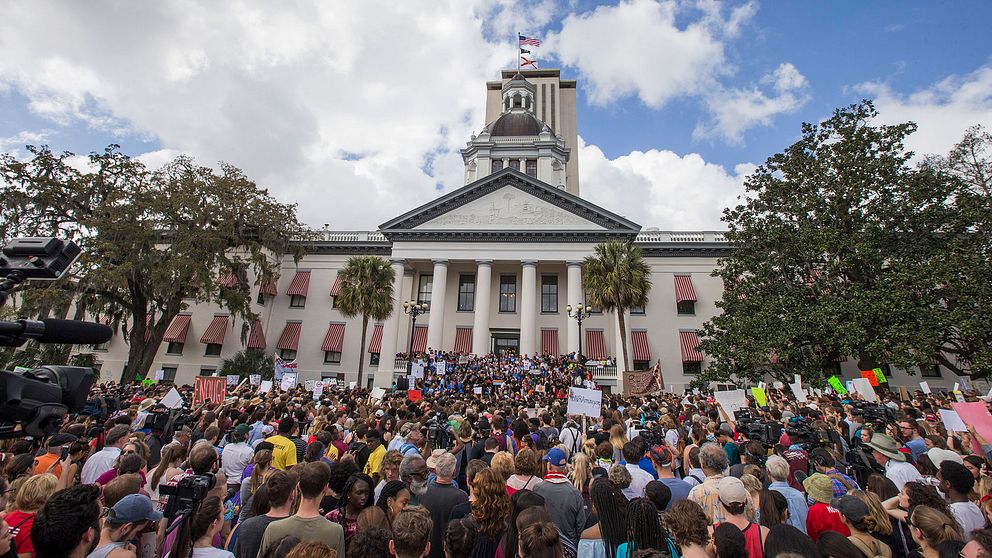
pixel 821 516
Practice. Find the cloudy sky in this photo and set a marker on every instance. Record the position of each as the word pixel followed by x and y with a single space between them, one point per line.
pixel 356 111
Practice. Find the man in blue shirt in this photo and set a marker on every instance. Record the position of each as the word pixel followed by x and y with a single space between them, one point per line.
pixel 778 473
pixel 910 432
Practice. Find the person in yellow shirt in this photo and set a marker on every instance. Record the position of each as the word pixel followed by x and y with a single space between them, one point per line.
pixel 374 441
pixel 283 449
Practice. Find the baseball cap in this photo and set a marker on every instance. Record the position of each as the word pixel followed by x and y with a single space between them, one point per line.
pixel 132 509
pixel 726 430
pixel 242 429
pixel 61 439
pixel 556 457
pixel 850 507
pixel 732 490
pixel 660 455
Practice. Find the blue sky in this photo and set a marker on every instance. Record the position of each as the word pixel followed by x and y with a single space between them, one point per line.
pixel 356 111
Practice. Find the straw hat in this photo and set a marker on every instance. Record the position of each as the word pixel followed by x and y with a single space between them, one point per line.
pixel 820 487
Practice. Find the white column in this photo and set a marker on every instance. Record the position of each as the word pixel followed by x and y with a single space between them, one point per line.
pixel 483 302
pixel 435 322
pixel 528 308
pixel 575 297
pixel 390 330
pixel 618 344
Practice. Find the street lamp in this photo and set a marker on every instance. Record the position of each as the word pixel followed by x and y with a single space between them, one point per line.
pixel 579 314
pixel 414 309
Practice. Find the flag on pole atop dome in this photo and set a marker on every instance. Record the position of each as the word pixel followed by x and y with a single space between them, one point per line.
pixel 528 41
pixel 523 61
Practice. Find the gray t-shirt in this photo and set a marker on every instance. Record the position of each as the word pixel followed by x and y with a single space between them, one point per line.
pixel 249 535
pixel 439 500
pixel 309 529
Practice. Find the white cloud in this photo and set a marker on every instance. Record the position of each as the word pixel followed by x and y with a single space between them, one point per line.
pixel 13 144
pixel 336 107
pixel 661 188
pixel 736 110
pixel 943 110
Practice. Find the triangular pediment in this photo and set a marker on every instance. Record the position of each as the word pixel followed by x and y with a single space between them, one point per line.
pixel 509 204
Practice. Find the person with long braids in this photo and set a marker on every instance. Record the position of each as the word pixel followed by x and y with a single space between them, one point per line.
pixel 643 529
pixel 196 540
pixel 610 531
pixel 490 508
pixel 356 496
pixel 931 529
pixel 393 499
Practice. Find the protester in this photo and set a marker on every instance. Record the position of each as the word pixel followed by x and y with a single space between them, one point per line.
pixel 440 498
pixel 885 450
pixel 564 502
pixel 129 517
pixel 821 516
pixel 308 523
pixel 280 490
pixel 412 538
pixel 105 459
pixel 778 473
pixel 68 525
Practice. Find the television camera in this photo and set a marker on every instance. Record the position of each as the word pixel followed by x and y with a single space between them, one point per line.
pixel 766 432
pixel 859 457
pixel 34 402
pixel 186 495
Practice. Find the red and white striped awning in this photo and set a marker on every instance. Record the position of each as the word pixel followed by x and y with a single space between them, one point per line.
pixel 639 339
pixel 334 339
pixel 214 335
pixel 463 340
pixel 689 341
pixel 300 284
pixel 228 280
pixel 290 338
pixel 549 342
pixel 683 289
pixel 256 337
pixel 420 339
pixel 336 287
pixel 178 329
pixel 270 288
pixel 375 345
pixel 595 346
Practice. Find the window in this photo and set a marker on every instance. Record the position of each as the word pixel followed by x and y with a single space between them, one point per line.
pixel 932 371
pixel 835 368
pixel 213 349
pixel 168 375
pixel 686 308
pixel 637 310
pixel 260 299
pixel 692 368
pixel 297 301
pixel 373 359
pixel 497 164
pixel 334 302
pixel 208 371
pixel 332 357
pixel 532 167
pixel 287 354
pixel 549 294
pixel 641 364
pixel 887 370
pixel 466 293
pixel 102 347
pixel 174 348
pixel 508 293
pixel 424 291
pixel 588 297
pixel 515 164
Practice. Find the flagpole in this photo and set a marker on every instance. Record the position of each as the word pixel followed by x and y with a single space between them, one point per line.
pixel 518 52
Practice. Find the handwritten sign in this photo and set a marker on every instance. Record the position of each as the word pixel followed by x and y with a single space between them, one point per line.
pixel 288 381
pixel 835 383
pixel 760 399
pixel 880 375
pixel 233 380
pixel 414 395
pixel 209 388
pixel 870 376
pixel 585 402
pixel 254 379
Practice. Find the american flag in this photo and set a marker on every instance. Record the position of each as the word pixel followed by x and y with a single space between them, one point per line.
pixel 530 41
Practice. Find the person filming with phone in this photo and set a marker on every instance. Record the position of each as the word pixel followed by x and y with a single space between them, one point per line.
pixel 58 450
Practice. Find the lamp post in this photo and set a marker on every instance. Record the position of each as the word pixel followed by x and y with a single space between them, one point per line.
pixel 580 313
pixel 414 309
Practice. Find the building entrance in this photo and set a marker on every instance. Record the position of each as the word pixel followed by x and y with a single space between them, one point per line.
pixel 506 342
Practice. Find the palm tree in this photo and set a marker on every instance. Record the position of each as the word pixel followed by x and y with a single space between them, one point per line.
pixel 618 279
pixel 366 290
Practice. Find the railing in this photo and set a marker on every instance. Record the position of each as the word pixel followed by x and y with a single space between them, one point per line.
pixel 677 236
pixel 599 374
pixel 352 236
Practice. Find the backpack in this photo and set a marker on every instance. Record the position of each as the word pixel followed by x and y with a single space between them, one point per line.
pixel 541 440
pixel 877 550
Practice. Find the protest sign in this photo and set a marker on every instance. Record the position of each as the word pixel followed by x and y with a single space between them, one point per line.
pixel 159 375
pixel 441 367
pixel 952 420
pixel 904 394
pixel 778 385
pixel 254 379
pixel 265 386
pixel 414 395
pixel 477 390
pixel 539 388
pixel 976 414
pixel 731 401
pixel 233 380
pixel 172 400
pixel 308 384
pixel 863 386
pixel 798 392
pixel 925 386
pixel 281 367
pixel 585 402
pixel 956 386
pixel 760 399
pixel 317 389
pixel 209 388
pixel 288 381
pixel 378 393
pixel 880 376
pixel 21 369
pixel 797 380
pixel 849 386
pixel 417 370
pixel 835 383
pixel 351 385
pixel 870 376
pixel 959 396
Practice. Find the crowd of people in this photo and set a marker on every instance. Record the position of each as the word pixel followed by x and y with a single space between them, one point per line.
pixel 487 463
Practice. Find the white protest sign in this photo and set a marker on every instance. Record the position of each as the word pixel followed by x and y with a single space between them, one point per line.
pixel 254 379
pixel 351 385
pixel 318 389
pixel 441 367
pixel 778 385
pixel 797 380
pixel 762 385
pixel 309 384
pixel 159 375
pixel 956 387
pixel 863 386
pixel 925 386
pixel 265 386
pixel 172 400
pixel 585 402
pixel 288 381
pixel 417 370
pixel 378 393
pixel 232 380
pixel 798 392
pixel 818 392
pixel 731 401
pixel 477 390
pixel 952 421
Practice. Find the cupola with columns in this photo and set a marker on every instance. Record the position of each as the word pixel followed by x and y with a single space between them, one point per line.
pixel 517 139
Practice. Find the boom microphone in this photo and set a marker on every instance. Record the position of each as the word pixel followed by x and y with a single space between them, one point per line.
pixel 51 330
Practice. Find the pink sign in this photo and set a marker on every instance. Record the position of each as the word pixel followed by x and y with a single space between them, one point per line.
pixel 977 414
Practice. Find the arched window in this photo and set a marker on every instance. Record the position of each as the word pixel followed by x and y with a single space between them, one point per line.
pixel 517 102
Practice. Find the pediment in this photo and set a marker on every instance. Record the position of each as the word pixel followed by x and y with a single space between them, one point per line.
pixel 509 204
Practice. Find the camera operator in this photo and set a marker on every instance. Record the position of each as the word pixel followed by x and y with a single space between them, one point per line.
pixel 68 525
pixel 129 517
pixel 824 462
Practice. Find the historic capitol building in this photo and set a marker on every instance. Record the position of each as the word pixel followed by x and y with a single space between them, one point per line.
pixel 497 260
